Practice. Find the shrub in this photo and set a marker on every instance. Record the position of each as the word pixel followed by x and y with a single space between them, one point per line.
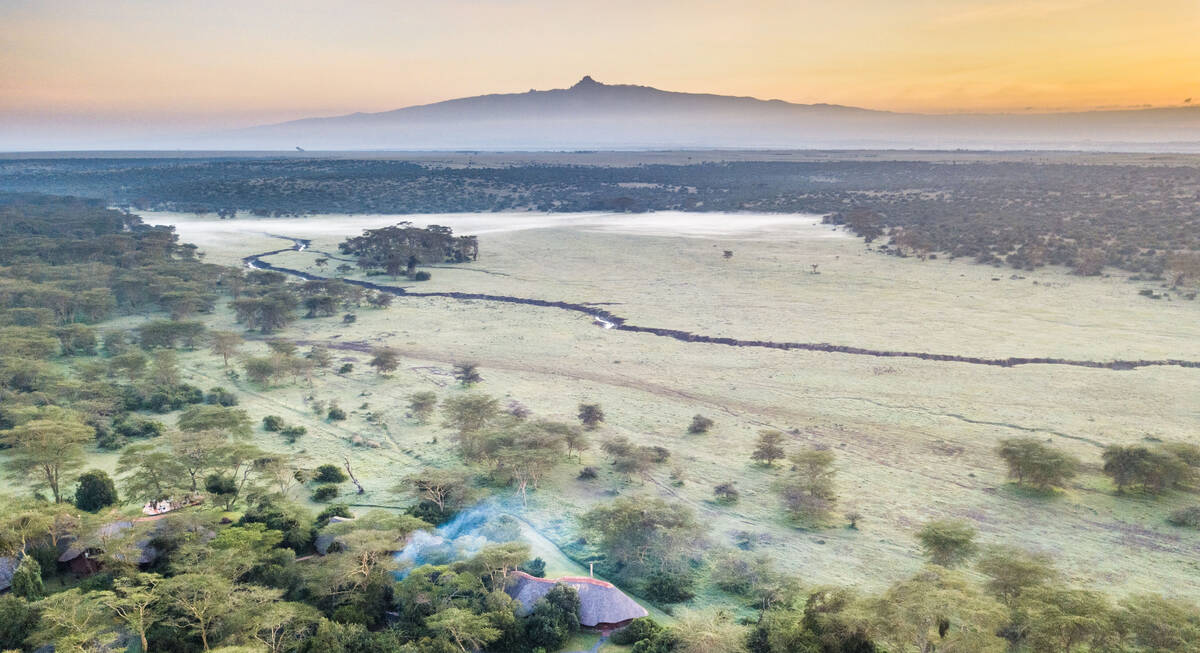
pixel 535 567
pixel 324 493
pixel 18 619
pixel 292 433
pixel 947 542
pixel 333 510
pixel 329 473
pixel 221 397
pixel 95 491
pixel 637 630
pixel 272 423
pixel 588 473
pixel 336 414
pixel 27 579
pixel 421 275
pixel 700 424
pixel 725 493
pixel 1187 517
pixel 669 587
pixel 346 368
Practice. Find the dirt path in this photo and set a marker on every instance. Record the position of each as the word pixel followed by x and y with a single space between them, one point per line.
pixel 610 320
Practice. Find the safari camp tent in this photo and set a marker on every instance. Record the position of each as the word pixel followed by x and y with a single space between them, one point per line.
pixel 601 605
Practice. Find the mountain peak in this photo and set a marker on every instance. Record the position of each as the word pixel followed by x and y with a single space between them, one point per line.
pixel 586 82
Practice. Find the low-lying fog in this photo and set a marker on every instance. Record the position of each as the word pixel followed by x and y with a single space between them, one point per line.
pixel 745 226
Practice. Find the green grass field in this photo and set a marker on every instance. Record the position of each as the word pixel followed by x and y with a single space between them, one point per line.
pixel 914 439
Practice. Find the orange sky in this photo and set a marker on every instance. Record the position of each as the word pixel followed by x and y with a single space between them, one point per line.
pixel 223 62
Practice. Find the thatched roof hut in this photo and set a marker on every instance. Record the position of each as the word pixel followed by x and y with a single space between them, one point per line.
pixel 601 604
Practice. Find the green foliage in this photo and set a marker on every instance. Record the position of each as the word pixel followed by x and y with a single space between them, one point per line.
pixel 1153 471
pixel 331 511
pixel 336 414
pixel 553 619
pixel 385 359
pixel 637 630
pixel 1188 517
pixel 232 421
pixel 292 433
pixel 1033 462
pixel 220 397
pixel 725 494
pixel 95 490
pixel 535 567
pixel 18 619
pixel 674 586
pixel 808 492
pixel 272 423
pixel 323 493
pixel 27 579
pixel 1012 571
pixel 947 542
pixel 642 535
pixel 329 473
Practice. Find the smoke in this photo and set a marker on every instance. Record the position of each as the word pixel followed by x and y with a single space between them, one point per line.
pixel 458 539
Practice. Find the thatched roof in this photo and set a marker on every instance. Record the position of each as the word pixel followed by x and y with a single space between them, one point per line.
pixel 8 565
pixel 599 602
pixel 146 553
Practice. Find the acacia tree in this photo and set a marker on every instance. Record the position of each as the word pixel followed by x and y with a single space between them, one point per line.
pixel 808 492
pixel 470 415
pixel 639 535
pixel 590 415
pixel 947 542
pixel 225 344
pixel 769 447
pixel 385 359
pixel 1012 571
pixel 47 451
pixel 131 601
pixel 422 405
pixel 447 488
pixel 1030 460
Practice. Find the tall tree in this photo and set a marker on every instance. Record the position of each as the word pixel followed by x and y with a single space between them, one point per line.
pixel 769 447
pixel 225 344
pixel 47 451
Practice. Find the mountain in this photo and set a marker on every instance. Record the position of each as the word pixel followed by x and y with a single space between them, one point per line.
pixel 592 115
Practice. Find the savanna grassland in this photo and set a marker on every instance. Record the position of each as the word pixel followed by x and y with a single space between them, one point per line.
pixel 914 440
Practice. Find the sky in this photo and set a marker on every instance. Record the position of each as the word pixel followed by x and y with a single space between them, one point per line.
pixel 167 64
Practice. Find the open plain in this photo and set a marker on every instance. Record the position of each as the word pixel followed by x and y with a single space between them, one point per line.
pixel 914 439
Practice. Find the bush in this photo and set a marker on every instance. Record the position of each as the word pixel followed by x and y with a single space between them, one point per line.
pixel 588 473
pixel 669 587
pixel 336 414
pixel 221 397
pixel 329 473
pixel 1187 517
pixel 725 493
pixel 637 630
pixel 272 423
pixel 346 368
pixel 18 619
pixel 334 510
pixel 422 275
pixel 138 427
pixel 292 433
pixel 95 491
pixel 324 493
pixel 700 424
pixel 27 579
pixel 535 567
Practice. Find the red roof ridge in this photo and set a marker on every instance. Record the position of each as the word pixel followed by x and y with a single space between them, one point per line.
pixel 564 579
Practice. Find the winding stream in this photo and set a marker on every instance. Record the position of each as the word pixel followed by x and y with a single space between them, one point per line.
pixel 608 320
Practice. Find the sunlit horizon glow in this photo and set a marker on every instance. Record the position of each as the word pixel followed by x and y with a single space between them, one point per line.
pixel 229 64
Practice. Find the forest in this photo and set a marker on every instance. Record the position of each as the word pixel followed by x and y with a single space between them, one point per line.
pixel 1087 216
pixel 96 309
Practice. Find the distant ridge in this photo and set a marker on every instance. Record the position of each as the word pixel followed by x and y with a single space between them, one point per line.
pixel 590 114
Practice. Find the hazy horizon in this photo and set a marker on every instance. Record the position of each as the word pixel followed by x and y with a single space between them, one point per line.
pixel 129 73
